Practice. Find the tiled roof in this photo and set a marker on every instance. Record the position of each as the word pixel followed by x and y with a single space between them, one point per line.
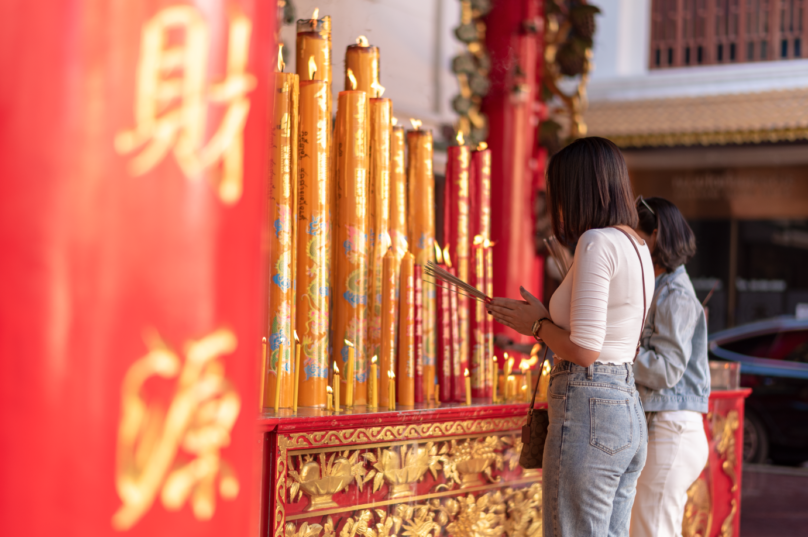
pixel 770 116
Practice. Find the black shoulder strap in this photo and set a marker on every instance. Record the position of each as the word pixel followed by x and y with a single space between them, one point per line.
pixel 642 270
pixel 536 387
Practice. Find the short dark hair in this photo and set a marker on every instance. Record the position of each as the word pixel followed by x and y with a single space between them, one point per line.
pixel 675 243
pixel 588 187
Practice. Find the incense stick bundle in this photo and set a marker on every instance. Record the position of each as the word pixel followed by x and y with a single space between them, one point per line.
pixel 431 269
pixel 559 254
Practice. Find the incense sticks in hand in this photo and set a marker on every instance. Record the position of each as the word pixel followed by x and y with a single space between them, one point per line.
pixel 431 269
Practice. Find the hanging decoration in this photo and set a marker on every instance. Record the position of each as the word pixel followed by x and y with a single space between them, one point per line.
pixel 569 29
pixel 471 68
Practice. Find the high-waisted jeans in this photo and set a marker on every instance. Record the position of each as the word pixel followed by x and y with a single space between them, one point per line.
pixel 596 447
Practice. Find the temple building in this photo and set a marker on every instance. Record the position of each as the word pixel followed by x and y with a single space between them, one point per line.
pixel 709 102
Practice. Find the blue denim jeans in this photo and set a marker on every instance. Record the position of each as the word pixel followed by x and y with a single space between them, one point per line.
pixel 595 450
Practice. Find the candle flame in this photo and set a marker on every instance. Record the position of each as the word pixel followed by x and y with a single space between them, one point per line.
pixel 328 388
pixel 446 259
pixel 316 13
pixel 488 244
pixel 478 240
pixel 495 358
pixel 395 121
pixel 264 340
pixel 482 146
pixel 378 89
pixel 533 361
pixel 416 123
pixel 466 374
pixel 352 78
pixel 546 367
pixel 391 374
pixel 348 344
pixel 438 254
pixel 373 360
pixel 510 377
pixel 281 65
pixel 336 369
pixel 297 339
pixel 535 350
pixel 524 365
pixel 362 41
pixel 312 67
pixel 460 139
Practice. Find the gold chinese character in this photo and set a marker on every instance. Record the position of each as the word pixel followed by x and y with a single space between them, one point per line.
pixel 171 106
pixel 175 451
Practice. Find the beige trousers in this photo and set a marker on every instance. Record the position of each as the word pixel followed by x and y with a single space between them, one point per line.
pixel 677 453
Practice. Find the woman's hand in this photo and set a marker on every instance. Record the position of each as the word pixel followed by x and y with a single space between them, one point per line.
pixel 518 314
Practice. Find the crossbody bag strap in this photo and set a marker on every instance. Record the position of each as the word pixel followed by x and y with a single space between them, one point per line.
pixel 536 387
pixel 642 271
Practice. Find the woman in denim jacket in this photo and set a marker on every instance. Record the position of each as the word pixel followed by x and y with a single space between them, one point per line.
pixel 672 375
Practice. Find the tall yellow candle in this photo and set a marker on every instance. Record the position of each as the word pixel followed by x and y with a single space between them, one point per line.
pixel 544 381
pixel 363 61
pixel 468 387
pixel 349 374
pixel 421 231
pixel 388 323
pixel 391 390
pixel 330 399
pixel 406 332
pixel 495 378
pixel 312 288
pixel 281 210
pixel 335 381
pixel 373 384
pixel 378 214
pixel 351 254
pixel 398 193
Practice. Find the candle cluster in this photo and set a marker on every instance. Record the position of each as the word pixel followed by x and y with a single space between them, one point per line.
pixel 351 318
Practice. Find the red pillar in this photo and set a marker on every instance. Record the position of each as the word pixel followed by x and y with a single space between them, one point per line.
pixel 514 41
pixel 129 293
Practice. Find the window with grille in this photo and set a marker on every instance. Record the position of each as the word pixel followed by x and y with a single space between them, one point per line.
pixel 708 32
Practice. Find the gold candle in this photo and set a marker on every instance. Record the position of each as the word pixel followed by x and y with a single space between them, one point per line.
pixel 391 390
pixel 525 367
pixel 281 209
pixel 510 388
pixel 388 323
pixel 314 41
pixel 406 332
pixel 312 288
pixel 398 194
pixel 350 375
pixel 296 372
pixel 489 291
pixel 378 214
pixel 544 381
pixel 363 60
pixel 336 381
pixel 421 231
pixel 468 387
pixel 329 405
pixel 373 384
pixel 261 393
pixel 351 255
pixel 495 378
pixel 477 321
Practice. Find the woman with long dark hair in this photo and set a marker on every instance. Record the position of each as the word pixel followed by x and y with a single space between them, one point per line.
pixel 596 443
pixel 672 374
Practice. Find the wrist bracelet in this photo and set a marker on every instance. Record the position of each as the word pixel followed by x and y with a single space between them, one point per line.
pixel 537 326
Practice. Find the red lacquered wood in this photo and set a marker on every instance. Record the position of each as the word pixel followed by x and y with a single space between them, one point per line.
pixel 97 261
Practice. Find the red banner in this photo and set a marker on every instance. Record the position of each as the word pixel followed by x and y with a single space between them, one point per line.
pixel 133 148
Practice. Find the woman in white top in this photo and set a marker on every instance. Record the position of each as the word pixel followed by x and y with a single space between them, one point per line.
pixel 596 443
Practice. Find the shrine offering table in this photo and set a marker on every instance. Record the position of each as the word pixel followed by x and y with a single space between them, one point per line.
pixel 714 501
pixel 451 469
pixel 446 470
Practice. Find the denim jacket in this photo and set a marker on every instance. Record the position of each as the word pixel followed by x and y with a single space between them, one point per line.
pixel 671 371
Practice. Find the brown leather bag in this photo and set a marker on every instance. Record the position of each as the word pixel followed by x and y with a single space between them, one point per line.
pixel 534 432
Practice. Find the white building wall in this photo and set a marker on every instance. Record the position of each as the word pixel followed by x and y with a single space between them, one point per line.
pixel 621 57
